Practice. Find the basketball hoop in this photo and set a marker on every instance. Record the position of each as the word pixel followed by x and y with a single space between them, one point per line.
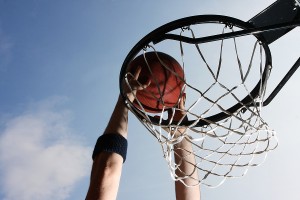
pixel 224 83
pixel 297 3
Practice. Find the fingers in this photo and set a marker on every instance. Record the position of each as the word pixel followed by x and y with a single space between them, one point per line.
pixel 137 73
pixel 178 113
pixel 146 84
pixel 135 85
pixel 136 76
pixel 182 101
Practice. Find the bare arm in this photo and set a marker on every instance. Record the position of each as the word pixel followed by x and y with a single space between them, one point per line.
pixel 182 155
pixel 186 161
pixel 107 167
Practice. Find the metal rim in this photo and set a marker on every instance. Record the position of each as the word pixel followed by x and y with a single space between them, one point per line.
pixel 193 20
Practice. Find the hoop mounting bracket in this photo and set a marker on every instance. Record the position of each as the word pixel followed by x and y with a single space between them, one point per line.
pixel 281 11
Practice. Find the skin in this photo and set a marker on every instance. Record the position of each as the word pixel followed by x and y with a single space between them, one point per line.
pixel 182 150
pixel 107 167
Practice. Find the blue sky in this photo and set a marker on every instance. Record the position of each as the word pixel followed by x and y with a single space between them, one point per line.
pixel 59 68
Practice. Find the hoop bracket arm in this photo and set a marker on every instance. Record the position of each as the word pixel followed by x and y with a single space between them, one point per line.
pixel 282 82
pixel 217 37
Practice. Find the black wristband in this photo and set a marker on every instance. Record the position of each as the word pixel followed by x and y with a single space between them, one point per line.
pixel 114 143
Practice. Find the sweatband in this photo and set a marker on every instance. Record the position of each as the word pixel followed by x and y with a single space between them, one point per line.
pixel 114 143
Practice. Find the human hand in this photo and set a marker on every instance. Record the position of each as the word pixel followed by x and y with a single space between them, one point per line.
pixel 178 113
pixel 175 115
pixel 134 85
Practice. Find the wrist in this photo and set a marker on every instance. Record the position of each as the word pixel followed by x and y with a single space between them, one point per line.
pixel 111 143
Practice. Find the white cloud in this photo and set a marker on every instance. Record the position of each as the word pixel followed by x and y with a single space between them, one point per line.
pixel 40 159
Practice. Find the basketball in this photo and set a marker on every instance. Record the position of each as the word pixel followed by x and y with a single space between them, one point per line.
pixel 166 81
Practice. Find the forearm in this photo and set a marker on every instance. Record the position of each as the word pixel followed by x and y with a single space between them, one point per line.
pixel 105 176
pixel 186 159
pixel 107 165
pixel 119 119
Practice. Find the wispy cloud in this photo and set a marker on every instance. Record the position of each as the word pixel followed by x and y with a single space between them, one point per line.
pixel 40 159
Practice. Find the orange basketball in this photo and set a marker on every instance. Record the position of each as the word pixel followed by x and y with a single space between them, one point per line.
pixel 166 76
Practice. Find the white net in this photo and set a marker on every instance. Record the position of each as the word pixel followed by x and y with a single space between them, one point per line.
pixel 212 140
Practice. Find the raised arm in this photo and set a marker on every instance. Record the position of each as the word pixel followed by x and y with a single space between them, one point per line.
pixel 107 165
pixel 186 161
pixel 182 155
pixel 110 150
